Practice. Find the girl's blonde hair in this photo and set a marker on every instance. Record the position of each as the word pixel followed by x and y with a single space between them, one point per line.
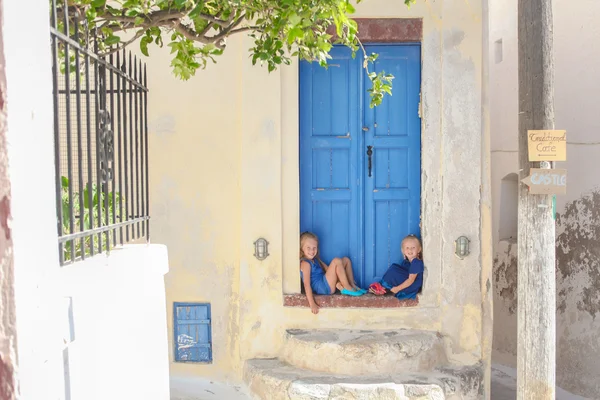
pixel 413 237
pixel 309 235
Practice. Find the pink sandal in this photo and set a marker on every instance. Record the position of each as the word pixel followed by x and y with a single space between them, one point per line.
pixel 377 289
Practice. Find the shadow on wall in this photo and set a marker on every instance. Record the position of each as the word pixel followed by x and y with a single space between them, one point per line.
pixel 578 296
pixel 509 207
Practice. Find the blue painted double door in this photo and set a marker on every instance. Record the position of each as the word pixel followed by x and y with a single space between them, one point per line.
pixel 360 167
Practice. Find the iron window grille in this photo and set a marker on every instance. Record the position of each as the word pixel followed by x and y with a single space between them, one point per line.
pixel 101 140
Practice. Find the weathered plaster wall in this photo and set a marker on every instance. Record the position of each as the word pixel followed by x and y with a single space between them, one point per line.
pixel 576 58
pixel 195 145
pixel 578 297
pixel 224 151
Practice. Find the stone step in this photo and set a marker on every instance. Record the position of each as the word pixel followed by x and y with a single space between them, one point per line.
pixel 272 379
pixel 354 352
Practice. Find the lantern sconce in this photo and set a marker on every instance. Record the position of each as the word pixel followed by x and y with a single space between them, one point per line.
pixel 261 249
pixel 461 247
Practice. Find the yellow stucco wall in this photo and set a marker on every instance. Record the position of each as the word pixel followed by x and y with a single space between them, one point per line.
pixel 224 172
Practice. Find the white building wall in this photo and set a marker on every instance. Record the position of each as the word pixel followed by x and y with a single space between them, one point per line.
pixel 577 62
pixel 114 325
pixel 92 330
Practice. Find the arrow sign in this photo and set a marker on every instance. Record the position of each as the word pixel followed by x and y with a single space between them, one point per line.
pixel 546 181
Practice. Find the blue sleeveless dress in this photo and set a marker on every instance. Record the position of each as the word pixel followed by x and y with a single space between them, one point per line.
pixel 318 282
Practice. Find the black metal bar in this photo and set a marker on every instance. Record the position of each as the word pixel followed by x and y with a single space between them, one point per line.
pixel 137 149
pixel 144 156
pixel 147 210
pixel 100 230
pixel 126 170
pixel 131 202
pixel 92 55
pixel 90 174
pixel 58 180
pixel 79 140
pixel 69 141
pixel 98 145
pixel 112 167
pixel 119 141
pixel 104 139
pixel 92 91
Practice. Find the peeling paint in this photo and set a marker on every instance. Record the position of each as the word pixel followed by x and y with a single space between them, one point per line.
pixel 6 380
pixel 505 276
pixel 578 253
pixel 578 296
pixel 5 216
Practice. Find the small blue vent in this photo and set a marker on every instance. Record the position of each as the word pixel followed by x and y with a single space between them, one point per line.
pixel 192 332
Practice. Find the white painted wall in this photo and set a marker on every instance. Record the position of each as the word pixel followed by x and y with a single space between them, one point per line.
pixel 116 333
pixel 119 347
pixel 577 62
pixel 33 225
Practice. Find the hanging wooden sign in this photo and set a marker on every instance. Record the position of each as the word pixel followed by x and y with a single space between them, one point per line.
pixel 547 145
pixel 546 181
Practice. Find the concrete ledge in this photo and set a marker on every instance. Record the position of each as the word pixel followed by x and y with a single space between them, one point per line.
pixel 342 301
pixel 364 352
pixel 272 379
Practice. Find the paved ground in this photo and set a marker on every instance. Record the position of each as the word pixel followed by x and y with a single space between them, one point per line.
pixel 205 389
pixel 504 385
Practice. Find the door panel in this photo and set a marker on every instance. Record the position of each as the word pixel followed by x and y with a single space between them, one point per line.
pixel 392 193
pixel 353 213
pixel 328 154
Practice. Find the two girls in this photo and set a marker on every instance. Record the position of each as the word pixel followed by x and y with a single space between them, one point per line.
pixel 403 280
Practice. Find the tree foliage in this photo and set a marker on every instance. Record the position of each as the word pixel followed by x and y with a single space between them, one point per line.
pixel 197 30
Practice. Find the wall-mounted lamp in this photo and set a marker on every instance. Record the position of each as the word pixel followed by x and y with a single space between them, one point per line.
pixel 261 249
pixel 461 247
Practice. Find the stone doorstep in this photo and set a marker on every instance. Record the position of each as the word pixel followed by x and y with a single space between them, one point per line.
pixel 272 379
pixel 342 301
pixel 360 352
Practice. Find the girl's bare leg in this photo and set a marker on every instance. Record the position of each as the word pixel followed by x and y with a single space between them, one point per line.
pixel 332 279
pixel 348 268
pixel 338 266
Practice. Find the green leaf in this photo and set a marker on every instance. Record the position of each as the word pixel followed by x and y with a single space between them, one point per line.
pixel 144 45
pixel 294 19
pixel 113 39
pixel 132 12
pixel 197 10
pixel 293 34
pixel 179 3
pixel 98 3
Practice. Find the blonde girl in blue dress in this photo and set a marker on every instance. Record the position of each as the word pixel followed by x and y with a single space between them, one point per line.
pixel 318 278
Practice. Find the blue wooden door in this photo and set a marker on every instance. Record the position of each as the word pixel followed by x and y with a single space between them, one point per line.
pixel 356 212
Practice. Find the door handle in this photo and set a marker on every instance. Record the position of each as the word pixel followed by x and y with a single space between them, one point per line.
pixel 370 154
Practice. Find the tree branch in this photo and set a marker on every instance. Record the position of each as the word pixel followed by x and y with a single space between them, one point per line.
pixel 225 32
pixel 189 33
pixel 245 28
pixel 215 20
pixel 124 44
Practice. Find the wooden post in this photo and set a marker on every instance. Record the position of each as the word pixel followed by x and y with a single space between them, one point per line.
pixel 536 278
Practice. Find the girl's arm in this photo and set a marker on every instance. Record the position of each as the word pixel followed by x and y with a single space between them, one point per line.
pixel 305 267
pixel 409 281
